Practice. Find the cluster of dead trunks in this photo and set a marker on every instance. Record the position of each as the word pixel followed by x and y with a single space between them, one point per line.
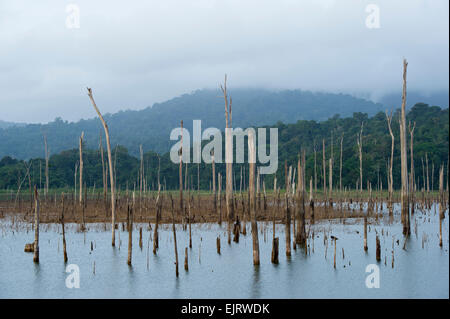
pixel 294 202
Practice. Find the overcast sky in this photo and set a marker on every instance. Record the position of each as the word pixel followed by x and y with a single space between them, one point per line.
pixel 136 53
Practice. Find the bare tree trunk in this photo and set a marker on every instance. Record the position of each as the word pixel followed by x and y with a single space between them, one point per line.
pixel 46 166
pixel 130 230
pixel 275 240
pixel 252 161
pixel 315 167
pixel 104 176
pixel 63 230
pixel 365 233
pixel 441 192
pixel 428 176
pixel 158 216
pixel 111 172
pixel 214 181
pixel 411 173
pixel 404 162
pixel 189 219
pixel 340 166
pixel 36 226
pixel 181 169
pixel 174 238
pixel 324 168
pixel 228 158
pixel 359 142
pixel 391 163
pixel 219 197
pixel 288 211
pixel 330 181
pixel 141 174
pixel 300 238
pixel 81 167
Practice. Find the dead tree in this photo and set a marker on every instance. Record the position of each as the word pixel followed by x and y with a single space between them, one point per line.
pixel 330 181
pixel 340 166
pixel 189 220
pixel 158 208
pixel 288 210
pixel 359 143
pixel 111 172
pixel 104 175
pixel 213 164
pixel 63 230
pixel 300 238
pixel 441 192
pixel 228 157
pixel 180 153
pixel 81 167
pixel 252 161
pixel 219 198
pixel 36 226
pixel 275 240
pixel 324 168
pixel 391 163
pixel 46 165
pixel 315 167
pixel 411 173
pixel 404 161
pixel 130 229
pixel 365 233
pixel 174 237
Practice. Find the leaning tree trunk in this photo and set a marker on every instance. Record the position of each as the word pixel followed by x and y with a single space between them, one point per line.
pixel 111 172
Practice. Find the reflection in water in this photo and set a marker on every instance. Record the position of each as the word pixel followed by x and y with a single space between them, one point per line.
pixel 256 291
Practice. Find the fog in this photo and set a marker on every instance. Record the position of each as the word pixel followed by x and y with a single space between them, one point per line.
pixel 138 53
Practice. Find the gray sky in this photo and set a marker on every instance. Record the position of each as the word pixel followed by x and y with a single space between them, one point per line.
pixel 139 52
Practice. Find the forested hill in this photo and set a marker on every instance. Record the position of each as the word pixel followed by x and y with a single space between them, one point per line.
pixel 431 146
pixel 151 126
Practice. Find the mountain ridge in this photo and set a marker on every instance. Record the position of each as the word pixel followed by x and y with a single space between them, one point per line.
pixel 151 126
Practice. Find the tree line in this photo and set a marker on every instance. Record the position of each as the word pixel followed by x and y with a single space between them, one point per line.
pixel 431 146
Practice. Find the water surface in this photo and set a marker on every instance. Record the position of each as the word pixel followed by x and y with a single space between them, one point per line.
pixel 421 270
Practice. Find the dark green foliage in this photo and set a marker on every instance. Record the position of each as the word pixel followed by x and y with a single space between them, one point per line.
pixel 151 126
pixel 430 136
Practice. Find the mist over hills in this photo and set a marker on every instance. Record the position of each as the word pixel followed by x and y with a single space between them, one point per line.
pixel 4 124
pixel 151 126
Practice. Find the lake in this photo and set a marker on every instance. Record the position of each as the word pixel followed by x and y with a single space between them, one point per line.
pixel 421 270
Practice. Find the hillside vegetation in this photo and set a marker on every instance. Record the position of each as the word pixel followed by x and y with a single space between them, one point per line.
pixel 430 137
pixel 151 126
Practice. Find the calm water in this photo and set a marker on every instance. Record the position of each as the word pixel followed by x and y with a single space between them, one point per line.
pixel 419 271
